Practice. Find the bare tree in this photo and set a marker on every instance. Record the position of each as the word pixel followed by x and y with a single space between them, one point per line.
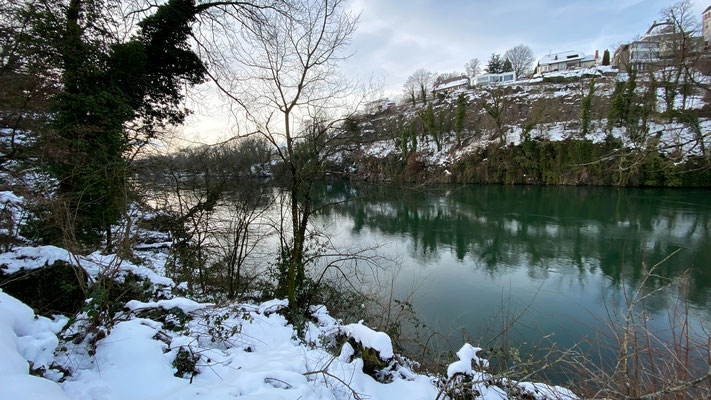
pixel 678 53
pixel 495 104
pixel 473 67
pixel 439 78
pixel 521 58
pixel 418 85
pixel 282 75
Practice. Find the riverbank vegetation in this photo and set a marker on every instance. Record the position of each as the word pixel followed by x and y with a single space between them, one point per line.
pixel 201 257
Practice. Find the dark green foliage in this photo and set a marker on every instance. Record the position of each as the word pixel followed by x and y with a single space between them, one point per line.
pixel 495 105
pixel 104 87
pixel 108 297
pixel 460 116
pixel 413 136
pixel 507 66
pixel 606 57
pixel 649 104
pixel 429 126
pixel 404 135
pixel 174 319
pixel 352 128
pixel 578 162
pixel 495 64
pixel 623 108
pixel 423 94
pixel 53 289
pixel 185 363
pixel 585 106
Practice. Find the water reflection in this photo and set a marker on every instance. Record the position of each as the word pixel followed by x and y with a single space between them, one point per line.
pixel 542 231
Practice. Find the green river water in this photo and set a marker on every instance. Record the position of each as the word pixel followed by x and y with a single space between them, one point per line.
pixel 568 256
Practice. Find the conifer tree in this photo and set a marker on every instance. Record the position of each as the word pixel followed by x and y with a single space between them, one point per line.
pixel 606 57
pixel 495 64
pixel 507 66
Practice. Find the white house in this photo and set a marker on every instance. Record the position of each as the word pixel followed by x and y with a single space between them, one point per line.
pixel 448 86
pixel 564 61
pixel 488 79
pixel 377 106
pixel 646 52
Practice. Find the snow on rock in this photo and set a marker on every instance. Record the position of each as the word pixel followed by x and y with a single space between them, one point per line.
pixel 95 263
pixel 540 391
pixel 378 341
pixel 347 352
pixel 11 198
pixel 182 303
pixel 325 320
pixel 467 354
pixel 273 305
pixel 24 337
pixel 32 257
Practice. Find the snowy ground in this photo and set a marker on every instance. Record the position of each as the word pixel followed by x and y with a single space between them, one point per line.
pixel 239 350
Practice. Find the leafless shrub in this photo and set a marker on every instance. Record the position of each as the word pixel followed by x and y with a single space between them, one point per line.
pixel 632 359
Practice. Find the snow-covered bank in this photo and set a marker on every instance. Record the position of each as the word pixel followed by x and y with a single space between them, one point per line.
pixel 217 351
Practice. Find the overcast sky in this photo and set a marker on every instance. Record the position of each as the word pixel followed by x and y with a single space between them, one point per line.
pixel 396 37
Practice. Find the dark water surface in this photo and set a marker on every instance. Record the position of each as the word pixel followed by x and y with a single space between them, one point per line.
pixel 566 255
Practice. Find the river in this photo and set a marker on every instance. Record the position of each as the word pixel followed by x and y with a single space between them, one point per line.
pixel 558 260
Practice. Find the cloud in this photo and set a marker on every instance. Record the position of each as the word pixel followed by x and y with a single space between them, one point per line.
pixel 397 37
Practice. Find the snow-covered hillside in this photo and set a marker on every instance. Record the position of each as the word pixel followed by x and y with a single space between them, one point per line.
pixel 545 108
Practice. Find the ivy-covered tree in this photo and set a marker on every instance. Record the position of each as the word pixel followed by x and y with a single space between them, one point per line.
pixel 585 106
pixel 622 103
pixel 115 95
pixel 429 125
pixel 413 136
pixel 404 136
pixel 460 117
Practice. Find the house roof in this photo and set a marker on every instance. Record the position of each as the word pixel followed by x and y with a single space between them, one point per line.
pixel 658 29
pixel 707 9
pixel 452 82
pixel 563 56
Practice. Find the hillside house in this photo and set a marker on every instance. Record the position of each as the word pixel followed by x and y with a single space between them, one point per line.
pixel 380 105
pixel 564 61
pixel 451 85
pixel 654 49
pixel 646 52
pixel 489 79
